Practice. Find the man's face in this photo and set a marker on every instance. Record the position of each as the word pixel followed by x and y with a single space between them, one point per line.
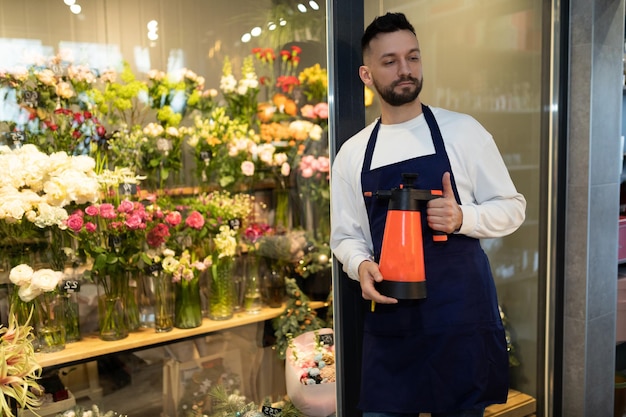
pixel 393 66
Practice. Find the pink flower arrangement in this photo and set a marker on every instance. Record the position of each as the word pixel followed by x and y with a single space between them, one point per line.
pixel 110 234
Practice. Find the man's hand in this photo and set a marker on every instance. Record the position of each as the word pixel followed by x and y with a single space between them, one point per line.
pixel 368 275
pixel 444 214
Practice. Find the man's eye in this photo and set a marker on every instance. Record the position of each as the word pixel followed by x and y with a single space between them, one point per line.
pixel 388 62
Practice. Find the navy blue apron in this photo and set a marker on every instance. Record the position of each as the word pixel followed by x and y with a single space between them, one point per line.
pixel 446 352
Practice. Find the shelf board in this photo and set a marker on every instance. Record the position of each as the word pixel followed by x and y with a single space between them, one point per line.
pixel 91 346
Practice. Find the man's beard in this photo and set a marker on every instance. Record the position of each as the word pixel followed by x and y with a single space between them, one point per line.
pixel 405 96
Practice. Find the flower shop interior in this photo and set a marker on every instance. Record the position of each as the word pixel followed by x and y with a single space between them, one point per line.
pixel 165 218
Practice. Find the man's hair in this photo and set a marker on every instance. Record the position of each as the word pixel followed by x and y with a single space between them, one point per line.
pixel 390 22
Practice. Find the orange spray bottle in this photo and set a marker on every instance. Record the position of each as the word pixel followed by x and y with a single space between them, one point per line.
pixel 402 252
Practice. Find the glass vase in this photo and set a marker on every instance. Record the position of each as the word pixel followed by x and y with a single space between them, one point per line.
pixel 222 294
pixel 132 307
pixel 273 286
pixel 252 299
pixel 187 304
pixel 49 322
pixel 69 305
pixel 112 296
pixel 163 302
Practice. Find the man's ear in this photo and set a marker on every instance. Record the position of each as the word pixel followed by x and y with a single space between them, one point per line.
pixel 364 73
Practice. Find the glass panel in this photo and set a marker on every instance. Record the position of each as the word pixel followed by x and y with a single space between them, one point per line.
pixel 168 37
pixel 484 59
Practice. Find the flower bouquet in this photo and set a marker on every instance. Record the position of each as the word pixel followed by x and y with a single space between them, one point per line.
pixel 310 373
pixel 37 299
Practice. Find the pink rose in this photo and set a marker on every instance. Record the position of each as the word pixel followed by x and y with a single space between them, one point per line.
pixel 92 210
pixel 90 227
pixel 173 218
pixel 75 222
pixel 321 110
pixel 323 164
pixel 125 207
pixel 133 222
pixel 307 172
pixel 195 220
pixel 107 211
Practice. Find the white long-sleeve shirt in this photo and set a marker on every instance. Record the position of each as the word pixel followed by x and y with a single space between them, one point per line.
pixel 490 203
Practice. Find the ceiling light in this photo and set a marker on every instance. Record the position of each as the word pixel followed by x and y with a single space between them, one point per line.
pixel 256 31
pixel 302 8
pixel 282 22
pixel 69 2
pixel 152 25
pixel 246 38
pixel 313 4
pixel 153 36
pixel 271 26
pixel 75 8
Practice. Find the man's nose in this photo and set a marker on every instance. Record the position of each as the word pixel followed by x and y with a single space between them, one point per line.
pixel 404 67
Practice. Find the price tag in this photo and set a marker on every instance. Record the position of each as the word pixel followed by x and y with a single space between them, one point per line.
pixel 205 155
pixel 30 98
pixel 71 286
pixel 154 268
pixel 128 189
pixel 16 137
pixel 327 339
pixel 271 411
pixel 234 224
pixel 115 242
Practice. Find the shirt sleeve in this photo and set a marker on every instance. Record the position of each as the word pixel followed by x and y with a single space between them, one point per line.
pixel 350 235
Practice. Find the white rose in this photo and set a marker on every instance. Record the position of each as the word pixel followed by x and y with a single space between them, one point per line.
pixel 28 293
pixel 21 274
pixel 46 279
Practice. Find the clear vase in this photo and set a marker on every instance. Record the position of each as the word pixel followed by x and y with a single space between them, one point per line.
pixel 132 307
pixel 222 294
pixel 252 299
pixel 69 305
pixel 112 296
pixel 273 288
pixel 187 304
pixel 163 302
pixel 49 322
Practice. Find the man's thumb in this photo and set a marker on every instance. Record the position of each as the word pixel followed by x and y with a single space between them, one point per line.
pixel 447 185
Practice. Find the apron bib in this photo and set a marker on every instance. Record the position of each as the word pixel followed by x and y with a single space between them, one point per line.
pixel 446 352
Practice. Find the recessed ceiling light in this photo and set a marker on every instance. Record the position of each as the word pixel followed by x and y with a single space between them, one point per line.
pixel 75 8
pixel 246 38
pixel 152 25
pixel 69 2
pixel 313 4
pixel 302 8
pixel 256 31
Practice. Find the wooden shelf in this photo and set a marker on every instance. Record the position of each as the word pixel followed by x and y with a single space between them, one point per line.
pixel 91 346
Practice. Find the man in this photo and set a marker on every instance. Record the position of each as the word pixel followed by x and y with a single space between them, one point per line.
pixel 444 354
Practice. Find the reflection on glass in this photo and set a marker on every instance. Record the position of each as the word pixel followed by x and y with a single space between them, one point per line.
pixel 484 59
